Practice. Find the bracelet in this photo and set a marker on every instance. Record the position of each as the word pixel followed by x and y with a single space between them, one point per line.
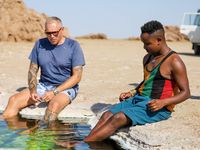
pixel 133 92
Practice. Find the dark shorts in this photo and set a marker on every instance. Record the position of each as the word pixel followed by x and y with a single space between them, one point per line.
pixel 136 109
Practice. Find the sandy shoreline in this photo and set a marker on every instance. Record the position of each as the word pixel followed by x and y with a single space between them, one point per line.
pixel 112 67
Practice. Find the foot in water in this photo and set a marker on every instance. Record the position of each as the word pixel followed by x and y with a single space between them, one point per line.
pixel 68 144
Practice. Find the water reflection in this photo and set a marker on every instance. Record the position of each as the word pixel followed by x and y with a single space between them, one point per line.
pixel 24 126
pixel 30 134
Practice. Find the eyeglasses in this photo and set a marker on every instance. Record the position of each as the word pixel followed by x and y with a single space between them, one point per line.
pixel 54 33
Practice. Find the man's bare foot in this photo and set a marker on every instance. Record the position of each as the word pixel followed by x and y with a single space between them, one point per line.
pixel 68 144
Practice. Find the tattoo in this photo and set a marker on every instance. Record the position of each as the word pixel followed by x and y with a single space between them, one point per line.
pixel 32 76
pixel 78 70
pixel 50 116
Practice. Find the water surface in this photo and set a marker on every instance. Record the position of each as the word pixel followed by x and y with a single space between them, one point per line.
pixel 20 133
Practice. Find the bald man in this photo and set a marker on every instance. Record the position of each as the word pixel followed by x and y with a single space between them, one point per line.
pixel 61 62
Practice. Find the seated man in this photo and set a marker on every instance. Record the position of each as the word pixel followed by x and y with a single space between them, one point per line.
pixel 165 84
pixel 60 60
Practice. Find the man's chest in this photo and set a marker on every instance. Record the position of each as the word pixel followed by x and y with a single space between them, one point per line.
pixel 56 57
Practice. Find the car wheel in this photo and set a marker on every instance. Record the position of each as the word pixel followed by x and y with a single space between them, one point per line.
pixel 196 49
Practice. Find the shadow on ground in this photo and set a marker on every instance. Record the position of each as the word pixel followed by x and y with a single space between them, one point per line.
pixel 20 89
pixel 133 84
pixel 193 97
pixel 99 107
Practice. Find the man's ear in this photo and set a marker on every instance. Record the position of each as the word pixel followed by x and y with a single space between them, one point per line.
pixel 159 40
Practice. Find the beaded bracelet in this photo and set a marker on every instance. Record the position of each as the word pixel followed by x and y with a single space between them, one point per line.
pixel 133 92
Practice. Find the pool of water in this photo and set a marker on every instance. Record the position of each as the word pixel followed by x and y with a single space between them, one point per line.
pixel 20 133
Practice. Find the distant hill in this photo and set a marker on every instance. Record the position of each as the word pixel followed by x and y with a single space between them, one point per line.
pixel 18 23
pixel 93 36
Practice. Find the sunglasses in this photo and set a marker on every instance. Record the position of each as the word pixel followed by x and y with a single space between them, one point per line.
pixel 54 33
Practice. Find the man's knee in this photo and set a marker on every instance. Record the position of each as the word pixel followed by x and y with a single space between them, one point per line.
pixel 12 103
pixel 11 109
pixel 106 115
pixel 12 99
pixel 119 120
pixel 57 105
pixel 54 105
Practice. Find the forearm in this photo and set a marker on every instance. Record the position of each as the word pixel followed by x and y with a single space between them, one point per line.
pixel 178 98
pixel 157 104
pixel 73 80
pixel 32 77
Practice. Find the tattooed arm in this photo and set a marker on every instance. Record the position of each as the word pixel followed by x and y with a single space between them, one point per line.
pixel 32 80
pixel 73 80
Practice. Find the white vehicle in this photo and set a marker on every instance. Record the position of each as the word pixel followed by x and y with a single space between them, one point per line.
pixel 191 27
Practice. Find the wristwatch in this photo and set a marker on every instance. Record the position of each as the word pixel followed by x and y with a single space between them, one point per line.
pixel 55 92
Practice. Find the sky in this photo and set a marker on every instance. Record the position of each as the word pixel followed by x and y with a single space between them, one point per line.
pixel 115 18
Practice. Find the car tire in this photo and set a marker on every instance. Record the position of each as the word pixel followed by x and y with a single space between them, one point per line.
pixel 196 49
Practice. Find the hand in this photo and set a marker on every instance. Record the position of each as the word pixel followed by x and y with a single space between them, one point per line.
pixel 34 96
pixel 156 104
pixel 48 96
pixel 124 96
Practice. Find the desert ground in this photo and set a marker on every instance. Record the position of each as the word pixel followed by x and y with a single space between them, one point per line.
pixel 112 67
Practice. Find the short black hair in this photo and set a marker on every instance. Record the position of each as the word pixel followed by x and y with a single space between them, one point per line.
pixel 151 27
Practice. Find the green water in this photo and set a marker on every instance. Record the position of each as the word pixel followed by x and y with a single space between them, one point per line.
pixel 19 133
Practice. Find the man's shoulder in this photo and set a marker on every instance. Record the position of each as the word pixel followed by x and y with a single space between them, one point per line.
pixel 175 58
pixel 174 62
pixel 71 42
pixel 42 40
pixel 43 43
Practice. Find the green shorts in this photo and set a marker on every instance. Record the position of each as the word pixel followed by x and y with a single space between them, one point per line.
pixel 136 109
